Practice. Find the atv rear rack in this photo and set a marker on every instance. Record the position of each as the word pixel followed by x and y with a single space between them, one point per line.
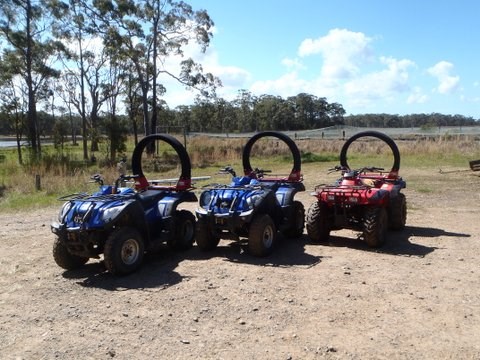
pixel 339 189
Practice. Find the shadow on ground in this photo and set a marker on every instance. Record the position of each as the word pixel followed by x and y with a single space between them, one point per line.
pixel 157 271
pixel 287 253
pixel 398 243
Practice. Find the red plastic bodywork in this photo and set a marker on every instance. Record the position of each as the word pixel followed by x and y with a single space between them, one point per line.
pixel 365 189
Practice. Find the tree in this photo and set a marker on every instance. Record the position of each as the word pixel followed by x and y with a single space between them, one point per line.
pixel 75 26
pixel 245 103
pixel 29 50
pixel 147 33
pixel 13 107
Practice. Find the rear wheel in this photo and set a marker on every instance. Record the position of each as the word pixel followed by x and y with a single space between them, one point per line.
pixel 398 212
pixel 124 251
pixel 184 231
pixel 204 236
pixel 375 226
pixel 297 221
pixel 318 228
pixel 262 236
pixel 64 258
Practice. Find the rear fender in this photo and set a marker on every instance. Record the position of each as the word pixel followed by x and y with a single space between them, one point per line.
pixel 285 195
pixel 169 203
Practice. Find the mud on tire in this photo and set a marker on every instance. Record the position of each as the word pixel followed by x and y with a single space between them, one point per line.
pixel 184 231
pixel 318 228
pixel 204 236
pixel 64 258
pixel 375 226
pixel 124 251
pixel 298 212
pixel 262 236
pixel 397 214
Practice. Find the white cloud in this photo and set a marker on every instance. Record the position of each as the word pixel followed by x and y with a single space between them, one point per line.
pixel 285 86
pixel 382 85
pixel 233 78
pixel 417 97
pixel 446 82
pixel 294 64
pixel 342 50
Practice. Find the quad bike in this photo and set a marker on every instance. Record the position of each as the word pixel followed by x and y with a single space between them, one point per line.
pixel 121 222
pixel 252 206
pixel 366 199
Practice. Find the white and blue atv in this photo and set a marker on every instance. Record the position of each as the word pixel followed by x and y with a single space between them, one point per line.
pixel 122 223
pixel 253 206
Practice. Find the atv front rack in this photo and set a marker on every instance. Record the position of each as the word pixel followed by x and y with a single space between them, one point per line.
pixel 90 197
pixel 339 194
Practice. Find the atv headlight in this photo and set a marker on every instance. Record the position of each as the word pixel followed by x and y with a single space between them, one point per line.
pixel 253 201
pixel 205 199
pixel 64 211
pixel 111 213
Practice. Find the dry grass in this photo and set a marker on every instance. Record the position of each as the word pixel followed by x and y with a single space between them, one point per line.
pixel 207 154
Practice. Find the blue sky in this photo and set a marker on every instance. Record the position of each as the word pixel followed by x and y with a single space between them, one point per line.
pixel 397 57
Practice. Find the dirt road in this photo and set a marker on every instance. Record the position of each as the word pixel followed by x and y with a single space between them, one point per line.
pixel 418 297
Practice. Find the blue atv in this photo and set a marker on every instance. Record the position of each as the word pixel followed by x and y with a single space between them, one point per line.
pixel 122 223
pixel 252 206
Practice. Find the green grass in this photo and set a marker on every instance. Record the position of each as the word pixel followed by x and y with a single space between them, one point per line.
pixel 65 172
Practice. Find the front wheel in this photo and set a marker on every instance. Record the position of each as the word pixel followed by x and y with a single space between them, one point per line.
pixel 124 251
pixel 204 236
pixel 184 232
pixel 262 236
pixel 297 221
pixel 375 226
pixel 318 227
pixel 64 258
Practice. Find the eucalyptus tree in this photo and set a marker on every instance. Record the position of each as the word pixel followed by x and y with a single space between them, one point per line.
pixel 67 91
pixel 25 32
pixel 13 107
pixel 225 115
pixel 245 104
pixel 148 33
pixel 304 105
pixel 336 113
pixel 111 88
pixel 84 65
pixel 183 116
pixel 266 109
pixel 203 111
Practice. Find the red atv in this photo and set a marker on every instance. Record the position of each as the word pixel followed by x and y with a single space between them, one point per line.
pixel 366 199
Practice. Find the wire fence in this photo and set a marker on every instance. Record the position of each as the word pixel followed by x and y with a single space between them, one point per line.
pixel 342 132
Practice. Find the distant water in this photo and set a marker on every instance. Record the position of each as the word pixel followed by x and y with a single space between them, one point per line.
pixel 9 143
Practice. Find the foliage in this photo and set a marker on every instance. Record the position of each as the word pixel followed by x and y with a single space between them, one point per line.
pixel 424 121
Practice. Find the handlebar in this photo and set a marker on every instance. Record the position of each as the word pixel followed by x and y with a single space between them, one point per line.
pixel 260 172
pixel 228 170
pixel 97 178
pixel 122 178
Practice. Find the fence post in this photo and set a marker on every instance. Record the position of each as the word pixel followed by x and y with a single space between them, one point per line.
pixel 37 182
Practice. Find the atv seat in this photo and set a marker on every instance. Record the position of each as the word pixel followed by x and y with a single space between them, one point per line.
pixel 371 182
pixel 149 196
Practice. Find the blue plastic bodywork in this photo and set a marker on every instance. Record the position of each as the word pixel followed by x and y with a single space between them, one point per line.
pixel 231 207
pixel 83 217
